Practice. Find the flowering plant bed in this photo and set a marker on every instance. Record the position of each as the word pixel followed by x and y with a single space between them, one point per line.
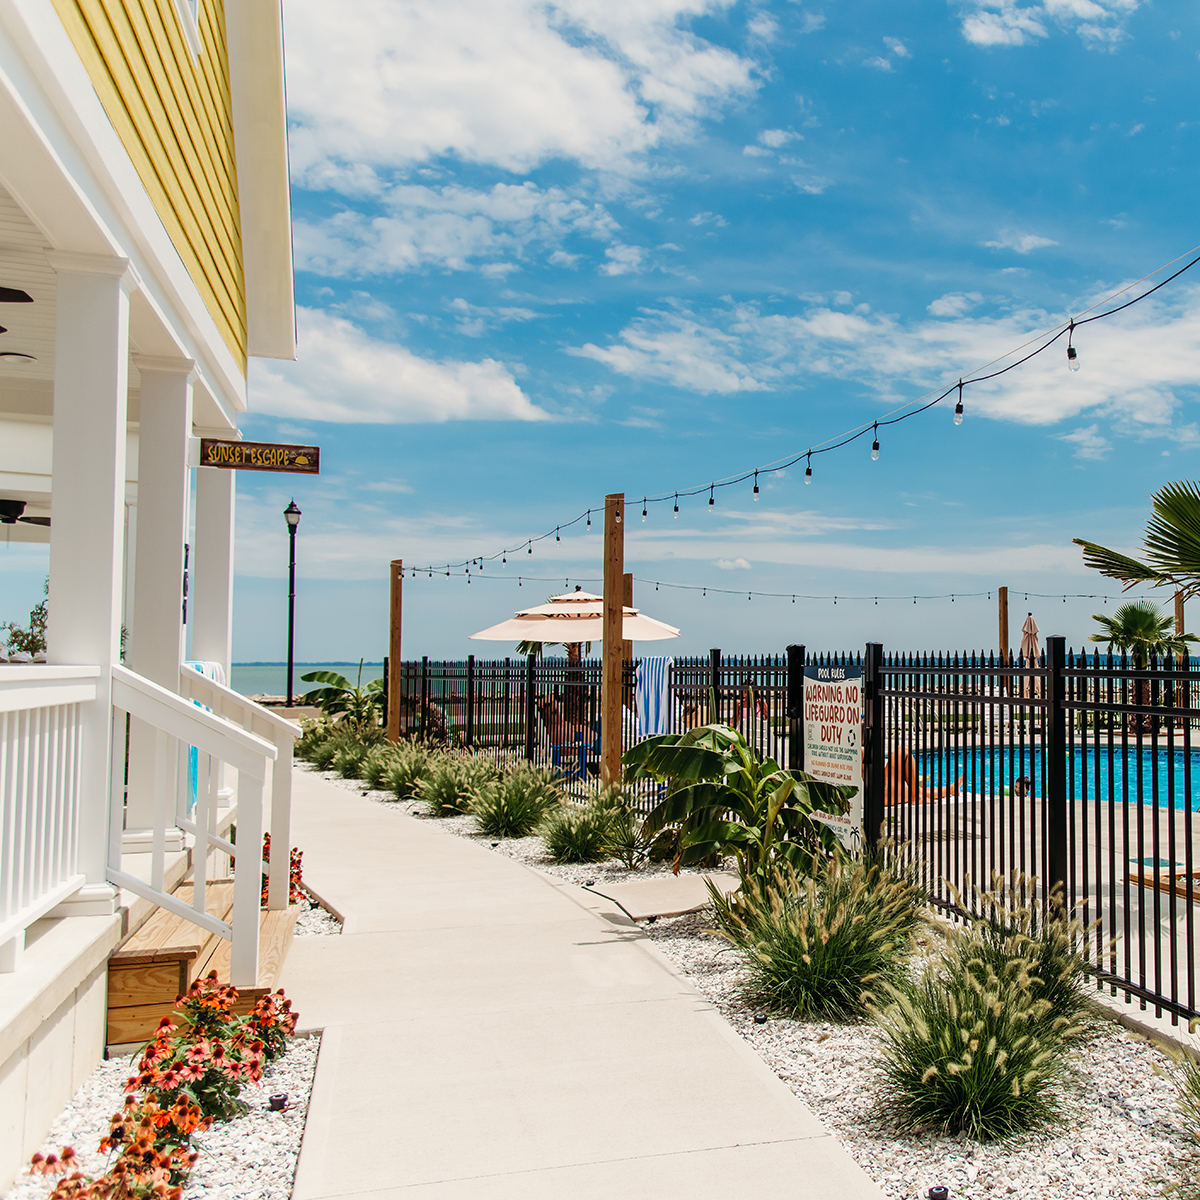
pixel 190 1075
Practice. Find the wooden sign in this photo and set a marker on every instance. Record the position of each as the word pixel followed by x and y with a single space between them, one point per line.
pixel 260 456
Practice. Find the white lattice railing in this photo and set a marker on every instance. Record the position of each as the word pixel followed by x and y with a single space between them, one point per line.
pixel 40 738
pixel 180 724
pixel 256 719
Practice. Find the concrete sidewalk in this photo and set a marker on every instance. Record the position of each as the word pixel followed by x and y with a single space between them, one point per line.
pixel 491 1033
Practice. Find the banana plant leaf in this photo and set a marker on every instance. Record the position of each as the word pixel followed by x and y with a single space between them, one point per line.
pixel 723 798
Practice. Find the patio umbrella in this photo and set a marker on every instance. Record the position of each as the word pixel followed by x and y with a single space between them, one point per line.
pixel 574 617
pixel 1030 649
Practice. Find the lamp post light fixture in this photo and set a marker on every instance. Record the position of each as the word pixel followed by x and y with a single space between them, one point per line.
pixel 291 515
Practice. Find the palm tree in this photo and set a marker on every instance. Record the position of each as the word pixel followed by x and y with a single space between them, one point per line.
pixel 1138 628
pixel 1171 545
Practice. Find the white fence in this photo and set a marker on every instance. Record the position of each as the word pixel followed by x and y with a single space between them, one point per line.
pixel 40 737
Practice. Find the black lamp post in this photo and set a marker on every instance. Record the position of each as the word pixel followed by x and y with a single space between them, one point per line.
pixel 291 515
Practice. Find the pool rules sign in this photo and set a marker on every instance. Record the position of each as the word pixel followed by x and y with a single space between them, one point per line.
pixel 833 741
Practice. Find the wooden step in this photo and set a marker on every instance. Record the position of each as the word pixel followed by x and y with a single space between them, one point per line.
pixel 158 963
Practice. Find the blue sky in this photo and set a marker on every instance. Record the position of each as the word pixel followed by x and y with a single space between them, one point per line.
pixel 550 250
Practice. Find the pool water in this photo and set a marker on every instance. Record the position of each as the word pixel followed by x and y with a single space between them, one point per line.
pixel 992 770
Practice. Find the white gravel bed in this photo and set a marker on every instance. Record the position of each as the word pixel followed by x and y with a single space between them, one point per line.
pixel 529 850
pixel 315 921
pixel 1119 1136
pixel 250 1158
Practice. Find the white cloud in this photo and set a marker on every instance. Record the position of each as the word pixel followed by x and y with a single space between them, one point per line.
pixel 623 260
pixel 879 63
pixel 1088 443
pixel 512 83
pixel 897 47
pixel 454 227
pixel 776 137
pixel 1099 23
pixel 955 304
pixel 707 218
pixel 343 375
pixel 1137 369
pixel 1022 243
pixel 731 564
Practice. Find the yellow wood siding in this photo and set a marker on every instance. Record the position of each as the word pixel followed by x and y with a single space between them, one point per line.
pixel 174 116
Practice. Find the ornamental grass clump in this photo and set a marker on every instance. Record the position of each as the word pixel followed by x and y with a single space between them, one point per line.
pixel 377 764
pixel 577 833
pixel 626 841
pixel 1011 923
pixel 515 805
pixel 410 763
pixel 350 760
pixel 813 945
pixel 973 1046
pixel 450 788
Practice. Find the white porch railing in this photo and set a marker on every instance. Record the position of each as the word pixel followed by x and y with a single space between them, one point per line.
pixel 256 719
pixel 40 735
pixel 180 724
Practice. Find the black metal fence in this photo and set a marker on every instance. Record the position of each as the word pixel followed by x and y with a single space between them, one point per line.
pixel 1071 768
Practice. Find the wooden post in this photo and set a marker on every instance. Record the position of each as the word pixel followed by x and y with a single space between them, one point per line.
pixel 394 661
pixel 611 681
pixel 1179 629
pixel 1002 596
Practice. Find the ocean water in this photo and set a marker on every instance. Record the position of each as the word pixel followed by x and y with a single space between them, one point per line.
pixel 254 679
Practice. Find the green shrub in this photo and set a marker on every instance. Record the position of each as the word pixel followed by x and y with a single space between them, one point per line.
pixel 450 787
pixel 323 754
pixel 350 761
pixel 577 834
pixel 812 946
pixel 626 839
pixel 516 804
pixel 971 1047
pixel 410 764
pixel 312 734
pixel 377 764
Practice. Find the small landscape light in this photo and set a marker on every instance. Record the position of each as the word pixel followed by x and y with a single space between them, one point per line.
pixel 495 844
pixel 651 920
pixel 760 1018
pixel 939 1191
pixel 590 883
pixel 278 1102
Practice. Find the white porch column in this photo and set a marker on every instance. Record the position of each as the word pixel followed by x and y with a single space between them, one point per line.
pixel 211 602
pixel 91 385
pixel 155 648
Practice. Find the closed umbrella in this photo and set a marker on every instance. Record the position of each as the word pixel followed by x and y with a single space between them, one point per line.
pixel 574 617
pixel 1030 648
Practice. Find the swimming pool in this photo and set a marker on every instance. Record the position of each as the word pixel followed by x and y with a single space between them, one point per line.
pixel 991 770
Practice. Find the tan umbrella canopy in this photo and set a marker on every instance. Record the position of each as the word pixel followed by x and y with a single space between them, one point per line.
pixel 574 617
pixel 1030 647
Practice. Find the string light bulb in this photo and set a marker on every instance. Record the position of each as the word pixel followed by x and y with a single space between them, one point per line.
pixel 755 487
pixel 530 547
pixel 958 408
pixel 677 506
pixel 875 444
pixel 617 518
pixel 808 469
pixel 643 510
pixel 589 525
pixel 711 502
pixel 1072 353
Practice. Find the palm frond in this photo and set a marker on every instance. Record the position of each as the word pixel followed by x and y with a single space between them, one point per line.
pixel 1118 566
